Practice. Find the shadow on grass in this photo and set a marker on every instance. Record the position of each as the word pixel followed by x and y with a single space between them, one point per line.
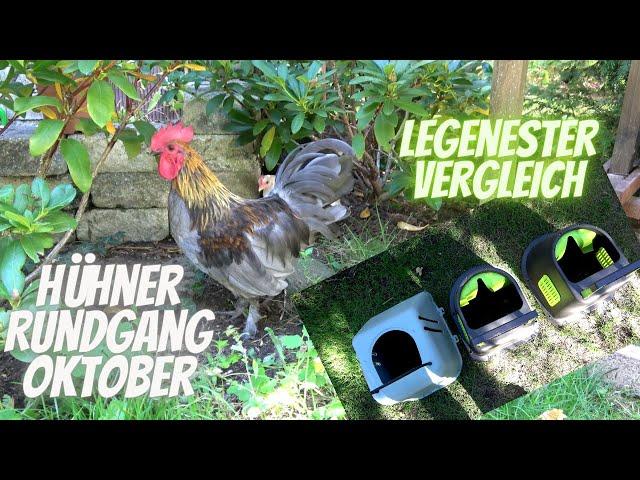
pixel 509 227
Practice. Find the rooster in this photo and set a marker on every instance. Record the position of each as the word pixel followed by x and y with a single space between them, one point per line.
pixel 250 246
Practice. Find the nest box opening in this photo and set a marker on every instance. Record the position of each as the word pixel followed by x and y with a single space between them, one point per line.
pixel 571 270
pixel 395 354
pixel 488 296
pixel 490 311
pixel 407 352
pixel 582 252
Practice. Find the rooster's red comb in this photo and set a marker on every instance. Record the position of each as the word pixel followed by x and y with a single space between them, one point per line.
pixel 171 133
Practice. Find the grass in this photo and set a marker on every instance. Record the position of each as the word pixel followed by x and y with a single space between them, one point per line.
pixel 233 383
pixel 581 395
pixel 352 248
pixel 496 233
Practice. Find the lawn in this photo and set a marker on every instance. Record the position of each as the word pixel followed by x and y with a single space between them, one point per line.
pixel 580 395
pixel 495 233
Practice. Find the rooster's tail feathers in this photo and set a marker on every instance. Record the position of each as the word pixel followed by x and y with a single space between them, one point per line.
pixel 313 178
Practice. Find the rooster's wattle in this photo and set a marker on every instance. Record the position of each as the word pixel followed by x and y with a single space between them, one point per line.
pixel 250 246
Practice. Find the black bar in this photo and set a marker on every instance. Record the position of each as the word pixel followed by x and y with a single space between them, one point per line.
pixel 618 274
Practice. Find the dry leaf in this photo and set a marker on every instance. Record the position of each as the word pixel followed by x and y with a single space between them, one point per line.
pixel 554 414
pixel 58 90
pixel 193 66
pixel 483 111
pixel 410 228
pixel 143 76
pixel 366 213
pixel 48 112
pixel 110 128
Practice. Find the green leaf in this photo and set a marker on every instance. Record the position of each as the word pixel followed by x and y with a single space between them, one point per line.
pixel 363 117
pixel 24 104
pixel 35 244
pixel 319 124
pixel 273 156
pixel 267 140
pixel 40 190
pixel 123 84
pixel 3 295
pixel 434 203
pixel 283 71
pixel 296 123
pixel 7 194
pixel 61 196
pixel 227 104
pixel 11 263
pixel 21 200
pixel 87 66
pixel 276 97
pixel 52 76
pixel 291 341
pixel 133 147
pixel 45 136
pixel 214 103
pixel 168 96
pixel 101 102
pixel 383 130
pixel 25 356
pixel 146 130
pixel 77 158
pixel 358 144
pixel 59 222
pixel 88 126
pixel 17 220
pixel 260 125
pixel 411 108
pixel 3 117
pixel 265 67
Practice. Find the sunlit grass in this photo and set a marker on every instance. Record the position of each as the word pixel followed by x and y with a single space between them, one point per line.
pixel 581 395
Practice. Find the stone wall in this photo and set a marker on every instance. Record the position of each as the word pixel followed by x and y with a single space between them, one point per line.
pixel 128 195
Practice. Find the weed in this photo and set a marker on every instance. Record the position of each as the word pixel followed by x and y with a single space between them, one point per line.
pixel 232 383
pixel 353 248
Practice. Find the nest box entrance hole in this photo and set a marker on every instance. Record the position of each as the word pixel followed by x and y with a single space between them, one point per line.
pixel 488 305
pixel 583 256
pixel 394 354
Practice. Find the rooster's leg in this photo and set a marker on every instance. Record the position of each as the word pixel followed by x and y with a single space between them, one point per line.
pixel 251 327
pixel 241 304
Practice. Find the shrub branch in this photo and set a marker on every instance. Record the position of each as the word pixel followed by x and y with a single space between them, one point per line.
pixel 84 201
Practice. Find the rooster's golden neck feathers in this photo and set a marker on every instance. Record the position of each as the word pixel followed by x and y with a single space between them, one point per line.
pixel 197 185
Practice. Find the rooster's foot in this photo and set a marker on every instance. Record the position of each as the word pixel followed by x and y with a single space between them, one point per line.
pixel 235 313
pixel 251 327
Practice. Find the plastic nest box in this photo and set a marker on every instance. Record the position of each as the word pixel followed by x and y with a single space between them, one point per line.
pixel 571 270
pixel 407 352
pixel 490 311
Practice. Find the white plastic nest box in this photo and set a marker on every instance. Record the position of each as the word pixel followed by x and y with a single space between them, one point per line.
pixel 407 352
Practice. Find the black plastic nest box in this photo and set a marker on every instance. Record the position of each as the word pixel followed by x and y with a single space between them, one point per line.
pixel 490 311
pixel 571 270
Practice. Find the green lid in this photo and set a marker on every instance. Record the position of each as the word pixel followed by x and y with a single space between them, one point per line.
pixel 493 280
pixel 582 236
